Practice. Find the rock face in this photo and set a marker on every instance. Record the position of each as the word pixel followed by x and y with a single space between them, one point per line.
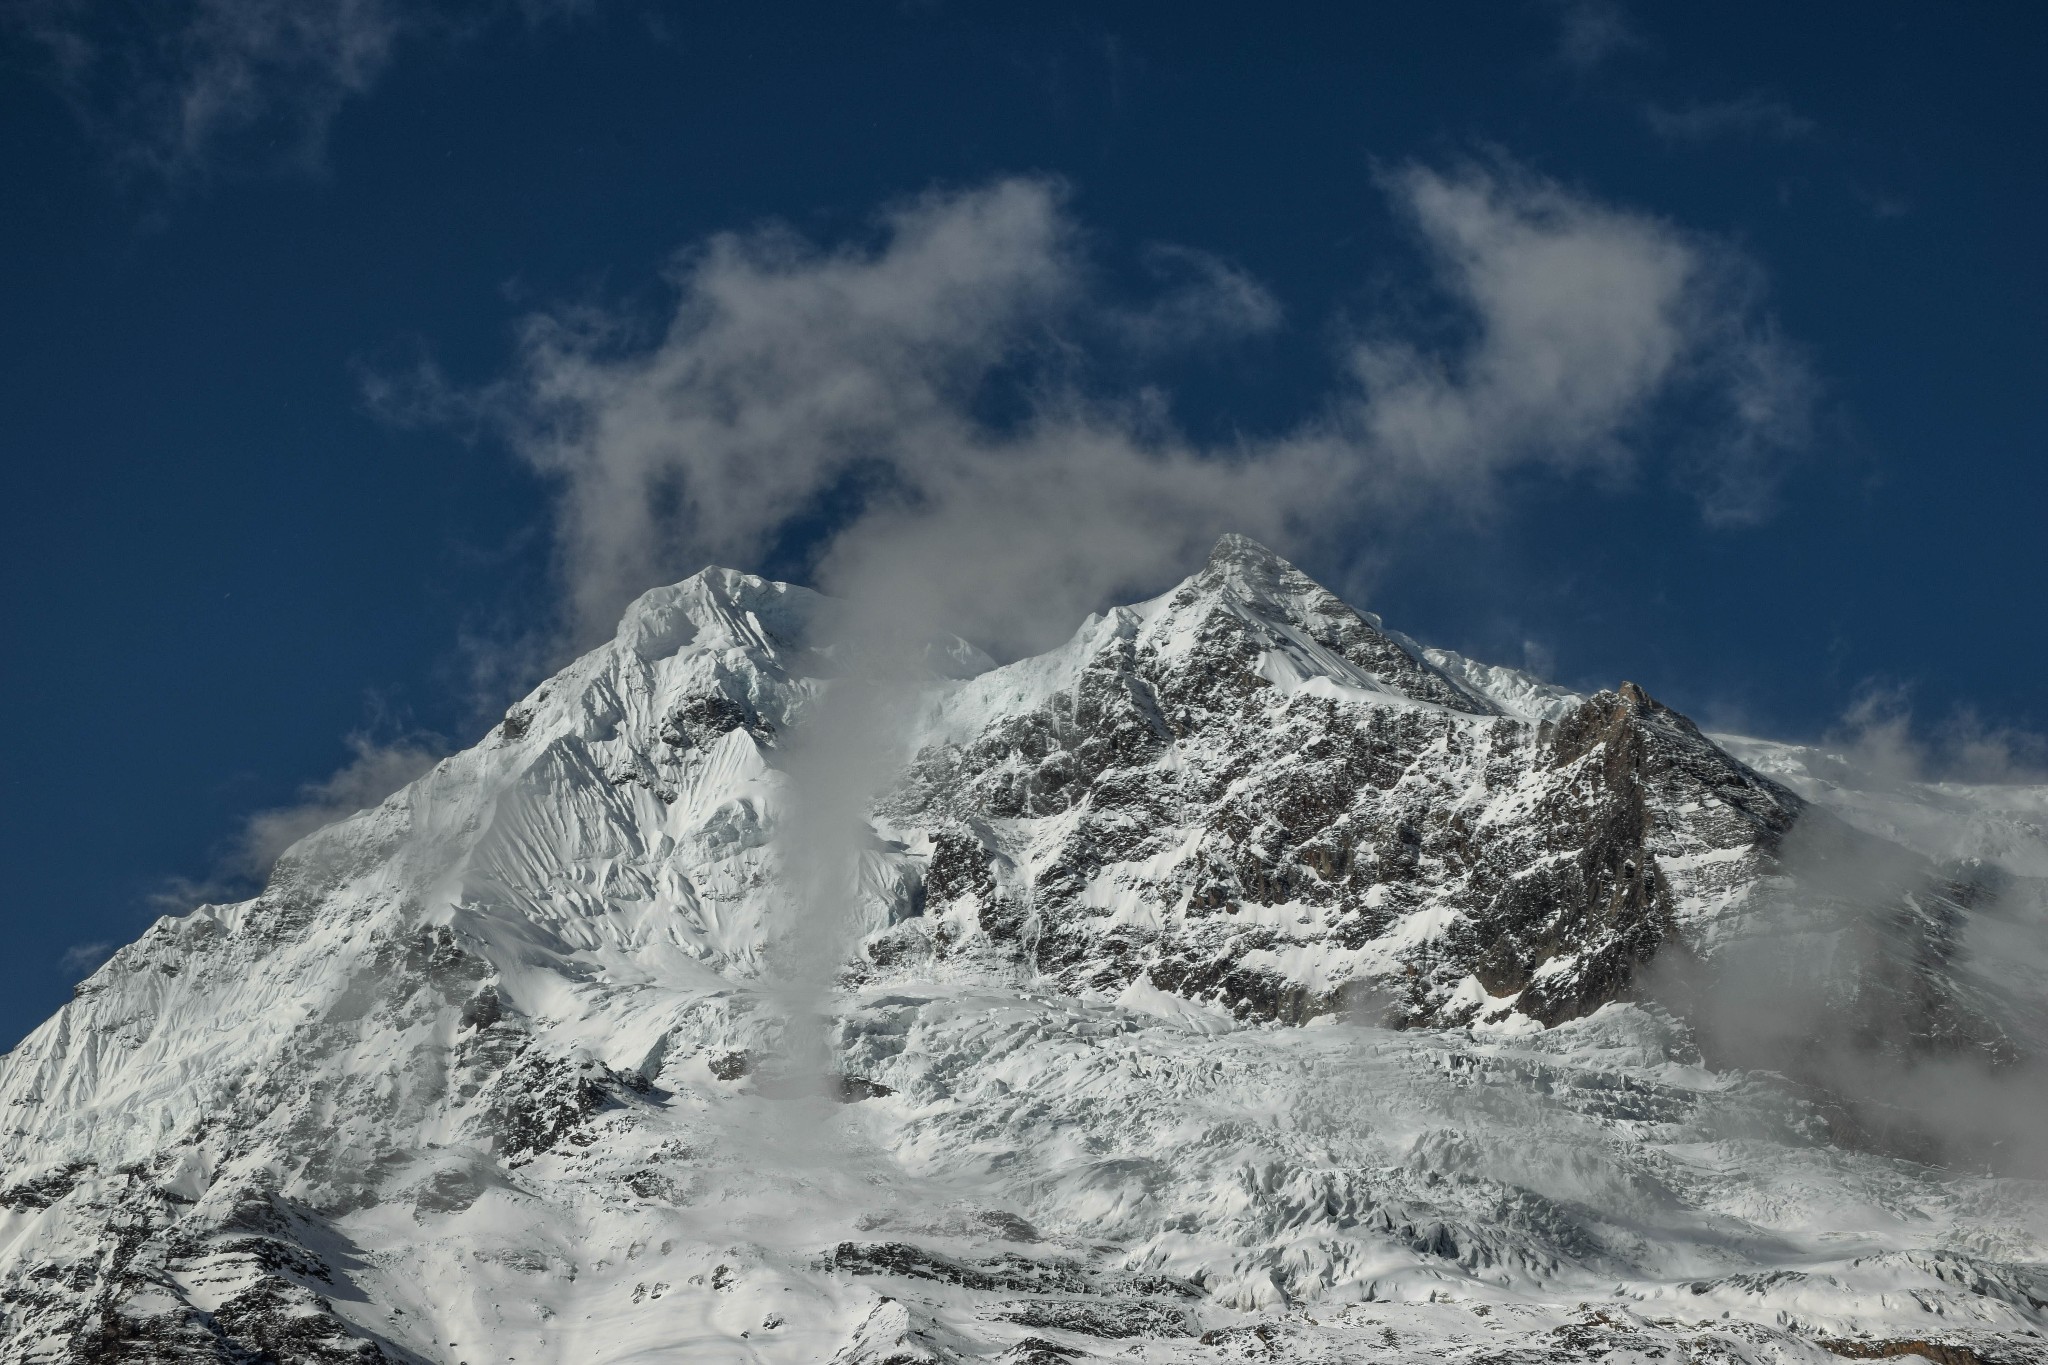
pixel 1239 981
pixel 1247 794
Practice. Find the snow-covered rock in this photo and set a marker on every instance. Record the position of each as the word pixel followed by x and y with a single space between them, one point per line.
pixel 1240 980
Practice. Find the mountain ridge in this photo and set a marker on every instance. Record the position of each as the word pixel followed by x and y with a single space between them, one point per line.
pixel 1236 977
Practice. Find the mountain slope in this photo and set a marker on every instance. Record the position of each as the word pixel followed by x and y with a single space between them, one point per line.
pixel 1239 980
pixel 1247 793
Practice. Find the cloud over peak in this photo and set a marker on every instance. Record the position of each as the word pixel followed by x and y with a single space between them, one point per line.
pixel 914 405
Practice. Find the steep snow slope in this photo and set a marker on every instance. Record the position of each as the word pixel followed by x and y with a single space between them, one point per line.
pixel 1238 981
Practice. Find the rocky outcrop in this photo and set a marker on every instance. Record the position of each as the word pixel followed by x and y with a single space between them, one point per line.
pixel 1249 795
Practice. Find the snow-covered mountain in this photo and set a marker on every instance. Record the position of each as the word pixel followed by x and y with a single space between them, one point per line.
pixel 1239 981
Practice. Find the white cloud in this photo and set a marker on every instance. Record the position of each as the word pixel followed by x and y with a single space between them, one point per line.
pixel 1583 313
pixel 845 393
pixel 1588 320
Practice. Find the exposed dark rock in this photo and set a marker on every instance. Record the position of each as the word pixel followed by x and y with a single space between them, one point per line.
pixel 45 1190
pixel 1017 1274
pixel 1100 1317
pixel 448 1191
pixel 483 1009
pixel 701 720
pixel 1008 1226
pixel 1359 815
pixel 1039 1351
pixel 854 1089
pixel 1941 1353
pixel 541 1100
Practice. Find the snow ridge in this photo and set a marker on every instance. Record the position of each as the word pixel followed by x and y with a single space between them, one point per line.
pixel 1240 980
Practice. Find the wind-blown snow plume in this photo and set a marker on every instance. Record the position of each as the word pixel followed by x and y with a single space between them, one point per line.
pixel 375 771
pixel 841 397
pixel 376 768
pixel 836 762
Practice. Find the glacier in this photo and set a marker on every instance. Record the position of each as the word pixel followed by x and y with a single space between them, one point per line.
pixel 1241 980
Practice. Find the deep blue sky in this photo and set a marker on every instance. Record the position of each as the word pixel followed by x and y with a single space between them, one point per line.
pixel 219 562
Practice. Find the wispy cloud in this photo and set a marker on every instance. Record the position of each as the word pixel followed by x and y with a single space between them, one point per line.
pixel 1204 300
pixel 375 769
pixel 1882 204
pixel 165 88
pixel 1751 116
pixel 168 88
pixel 1881 739
pixel 1894 970
pixel 1591 32
pixel 82 959
pixel 853 392
pixel 1591 317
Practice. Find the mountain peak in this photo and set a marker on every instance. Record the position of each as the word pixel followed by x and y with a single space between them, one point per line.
pixel 601 1024
pixel 740 607
pixel 1299 617
pixel 1239 562
pixel 1235 548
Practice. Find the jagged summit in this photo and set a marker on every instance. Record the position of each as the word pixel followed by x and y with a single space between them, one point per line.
pixel 1249 610
pixel 1239 558
pixel 1274 590
pixel 1239 955
pixel 737 609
